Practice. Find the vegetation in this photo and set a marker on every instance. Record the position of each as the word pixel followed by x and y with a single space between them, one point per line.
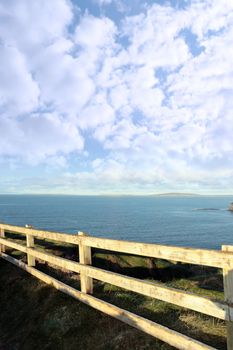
pixel 33 313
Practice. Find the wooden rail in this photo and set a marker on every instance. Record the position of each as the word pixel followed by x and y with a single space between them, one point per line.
pixel 222 259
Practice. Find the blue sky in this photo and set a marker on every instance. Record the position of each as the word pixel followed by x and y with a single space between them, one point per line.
pixel 116 97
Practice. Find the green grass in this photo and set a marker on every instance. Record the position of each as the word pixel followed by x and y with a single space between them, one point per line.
pixel 34 313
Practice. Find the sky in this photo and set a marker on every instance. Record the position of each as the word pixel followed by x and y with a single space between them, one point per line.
pixel 116 96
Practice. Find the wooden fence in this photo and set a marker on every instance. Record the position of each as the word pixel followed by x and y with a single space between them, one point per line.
pixel 221 259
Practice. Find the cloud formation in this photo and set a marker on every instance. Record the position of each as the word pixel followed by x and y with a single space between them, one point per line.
pixel 141 104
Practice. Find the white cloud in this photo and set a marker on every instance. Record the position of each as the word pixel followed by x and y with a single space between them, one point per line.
pixel 64 85
pixel 103 2
pixel 160 115
pixel 96 114
pixel 38 137
pixel 19 93
pixel 95 32
pixel 212 16
pixel 30 24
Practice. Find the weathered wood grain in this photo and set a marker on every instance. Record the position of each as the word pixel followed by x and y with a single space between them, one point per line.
pixel 13 245
pixel 30 244
pixel 2 235
pixel 54 236
pixel 204 257
pixel 228 293
pixel 85 259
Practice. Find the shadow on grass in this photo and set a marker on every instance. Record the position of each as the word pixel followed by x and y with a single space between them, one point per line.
pixel 186 322
pixel 32 301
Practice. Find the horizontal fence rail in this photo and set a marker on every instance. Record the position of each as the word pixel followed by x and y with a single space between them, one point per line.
pixel 221 259
pixel 205 257
pixel 178 297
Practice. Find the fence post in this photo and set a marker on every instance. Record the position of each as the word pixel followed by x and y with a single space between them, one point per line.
pixel 85 258
pixel 30 244
pixel 2 247
pixel 228 294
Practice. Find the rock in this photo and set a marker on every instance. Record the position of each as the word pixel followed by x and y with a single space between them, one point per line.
pixel 231 207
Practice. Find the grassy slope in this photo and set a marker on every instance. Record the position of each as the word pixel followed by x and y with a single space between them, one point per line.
pixel 34 313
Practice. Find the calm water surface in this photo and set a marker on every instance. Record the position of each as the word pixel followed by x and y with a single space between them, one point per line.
pixel 189 221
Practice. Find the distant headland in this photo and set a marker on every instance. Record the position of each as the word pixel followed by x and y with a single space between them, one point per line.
pixel 176 194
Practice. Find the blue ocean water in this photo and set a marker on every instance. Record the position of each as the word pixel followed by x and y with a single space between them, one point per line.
pixel 195 221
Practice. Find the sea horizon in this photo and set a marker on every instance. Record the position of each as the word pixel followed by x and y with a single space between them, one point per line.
pixel 178 194
pixel 197 221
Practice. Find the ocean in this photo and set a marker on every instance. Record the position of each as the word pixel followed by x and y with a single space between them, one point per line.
pixel 195 221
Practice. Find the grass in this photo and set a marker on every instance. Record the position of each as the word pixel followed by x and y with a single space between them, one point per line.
pixel 35 313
